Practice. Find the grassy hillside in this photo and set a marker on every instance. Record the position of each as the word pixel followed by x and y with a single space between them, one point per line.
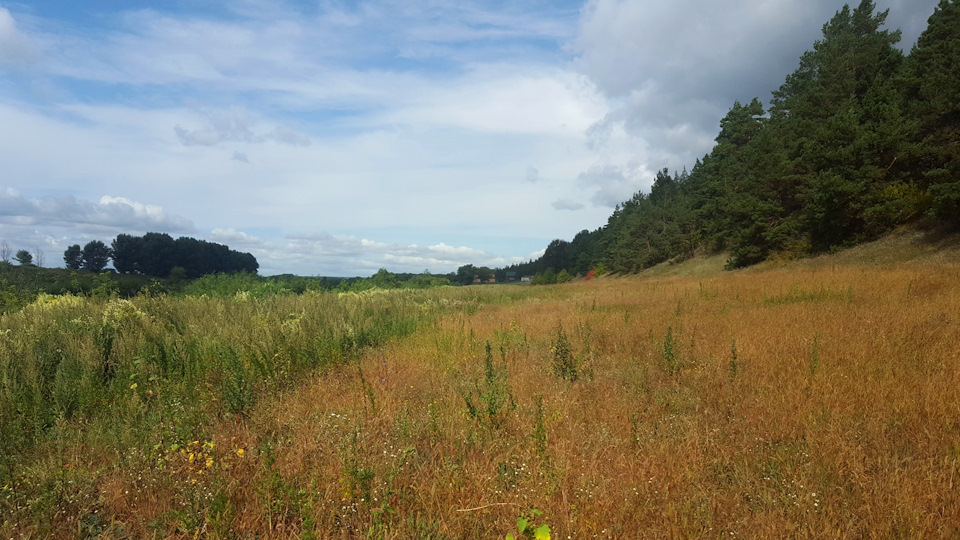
pixel 811 399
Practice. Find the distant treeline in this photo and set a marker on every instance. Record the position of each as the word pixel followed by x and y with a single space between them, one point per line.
pixel 858 140
pixel 22 285
pixel 159 255
pixel 220 285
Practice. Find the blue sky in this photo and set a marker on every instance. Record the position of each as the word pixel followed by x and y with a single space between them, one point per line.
pixel 336 138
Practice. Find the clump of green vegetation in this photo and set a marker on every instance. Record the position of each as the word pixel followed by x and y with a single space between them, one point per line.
pixel 494 398
pixel 539 426
pixel 158 367
pixel 670 353
pixel 815 354
pixel 230 285
pixel 565 364
pixel 527 527
pixel 238 394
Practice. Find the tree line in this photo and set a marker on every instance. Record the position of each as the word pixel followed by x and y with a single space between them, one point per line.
pixel 159 255
pixel 859 139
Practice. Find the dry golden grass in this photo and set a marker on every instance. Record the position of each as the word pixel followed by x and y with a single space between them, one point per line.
pixel 841 417
pixel 838 416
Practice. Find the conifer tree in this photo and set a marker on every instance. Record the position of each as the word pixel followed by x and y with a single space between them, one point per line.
pixel 839 116
pixel 932 91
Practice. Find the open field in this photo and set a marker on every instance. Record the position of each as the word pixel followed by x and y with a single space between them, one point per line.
pixel 814 400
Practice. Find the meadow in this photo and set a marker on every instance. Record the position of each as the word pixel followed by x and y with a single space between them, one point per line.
pixel 816 399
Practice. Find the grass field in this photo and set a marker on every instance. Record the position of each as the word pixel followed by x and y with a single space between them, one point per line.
pixel 817 399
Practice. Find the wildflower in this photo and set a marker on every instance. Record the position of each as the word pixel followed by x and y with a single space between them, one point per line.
pixel 209 462
pixel 240 452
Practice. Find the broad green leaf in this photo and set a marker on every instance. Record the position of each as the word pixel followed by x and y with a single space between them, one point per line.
pixel 542 532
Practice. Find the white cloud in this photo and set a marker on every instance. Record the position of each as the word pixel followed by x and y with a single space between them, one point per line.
pixel 672 68
pixel 508 99
pixel 52 223
pixel 110 214
pixel 612 184
pixel 328 254
pixel 235 238
pixel 15 47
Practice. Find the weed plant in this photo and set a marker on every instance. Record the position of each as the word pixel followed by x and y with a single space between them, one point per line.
pixel 565 364
pixel 491 400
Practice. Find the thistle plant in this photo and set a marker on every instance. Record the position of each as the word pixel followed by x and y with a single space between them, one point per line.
pixel 564 362
pixel 494 399
pixel 237 391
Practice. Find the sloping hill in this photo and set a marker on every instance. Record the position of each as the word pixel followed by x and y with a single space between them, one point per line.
pixel 906 245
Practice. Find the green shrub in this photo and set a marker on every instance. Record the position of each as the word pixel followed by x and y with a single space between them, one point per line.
pixel 565 364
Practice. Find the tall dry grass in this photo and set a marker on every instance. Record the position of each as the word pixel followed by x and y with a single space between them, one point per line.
pixel 797 402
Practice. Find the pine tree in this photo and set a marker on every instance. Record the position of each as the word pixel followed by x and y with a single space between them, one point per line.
pixel 840 115
pixel 73 257
pixel 932 88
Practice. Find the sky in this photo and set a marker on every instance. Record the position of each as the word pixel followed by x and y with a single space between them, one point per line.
pixel 335 138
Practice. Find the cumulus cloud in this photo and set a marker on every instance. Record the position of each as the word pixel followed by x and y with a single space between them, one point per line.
pixel 234 237
pixel 442 256
pixel 672 68
pixel 53 223
pixel 110 213
pixel 330 254
pixel 612 184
